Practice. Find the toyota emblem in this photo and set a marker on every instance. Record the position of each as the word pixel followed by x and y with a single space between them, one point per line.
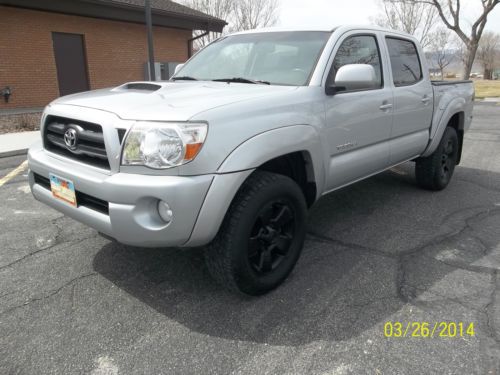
pixel 70 138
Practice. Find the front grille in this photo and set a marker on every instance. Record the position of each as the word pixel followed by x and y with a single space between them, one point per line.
pixel 89 147
pixel 42 181
pixel 82 199
pixel 91 202
pixel 121 134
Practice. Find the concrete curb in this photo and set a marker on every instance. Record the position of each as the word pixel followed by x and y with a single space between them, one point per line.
pixel 13 144
pixel 13 153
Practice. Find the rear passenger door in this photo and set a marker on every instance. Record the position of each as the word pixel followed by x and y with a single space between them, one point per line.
pixel 413 100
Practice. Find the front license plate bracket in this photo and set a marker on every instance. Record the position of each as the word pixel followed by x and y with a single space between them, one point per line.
pixel 63 189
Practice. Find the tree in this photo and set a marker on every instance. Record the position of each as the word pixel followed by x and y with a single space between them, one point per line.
pixel 414 18
pixel 449 12
pixel 239 14
pixel 488 52
pixel 222 9
pixel 255 14
pixel 440 52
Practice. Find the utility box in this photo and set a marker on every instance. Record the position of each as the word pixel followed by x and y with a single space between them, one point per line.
pixel 163 70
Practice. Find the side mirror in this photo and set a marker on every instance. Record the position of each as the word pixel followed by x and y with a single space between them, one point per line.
pixel 177 68
pixel 353 77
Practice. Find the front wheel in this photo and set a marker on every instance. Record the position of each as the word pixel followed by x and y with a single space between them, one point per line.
pixel 435 171
pixel 262 235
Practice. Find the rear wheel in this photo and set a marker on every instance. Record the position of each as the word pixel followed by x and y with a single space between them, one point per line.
pixel 435 171
pixel 262 235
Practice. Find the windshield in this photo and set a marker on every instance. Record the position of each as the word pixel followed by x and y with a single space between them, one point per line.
pixel 281 58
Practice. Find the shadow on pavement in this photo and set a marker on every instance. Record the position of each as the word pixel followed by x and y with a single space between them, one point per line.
pixel 372 248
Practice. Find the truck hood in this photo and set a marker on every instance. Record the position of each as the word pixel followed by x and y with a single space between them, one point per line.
pixel 172 101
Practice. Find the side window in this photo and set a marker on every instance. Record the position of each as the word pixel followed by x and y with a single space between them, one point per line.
pixel 358 49
pixel 405 63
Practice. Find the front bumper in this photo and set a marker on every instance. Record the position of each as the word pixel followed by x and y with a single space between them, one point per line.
pixel 132 217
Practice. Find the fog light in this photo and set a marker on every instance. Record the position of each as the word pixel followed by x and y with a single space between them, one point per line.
pixel 165 212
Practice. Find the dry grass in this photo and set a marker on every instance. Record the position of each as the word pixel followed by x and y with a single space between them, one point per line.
pixel 21 122
pixel 487 89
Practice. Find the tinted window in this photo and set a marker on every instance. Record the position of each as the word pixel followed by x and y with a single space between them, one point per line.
pixel 360 49
pixel 405 63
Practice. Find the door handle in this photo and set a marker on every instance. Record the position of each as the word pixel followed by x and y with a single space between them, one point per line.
pixel 385 107
pixel 426 100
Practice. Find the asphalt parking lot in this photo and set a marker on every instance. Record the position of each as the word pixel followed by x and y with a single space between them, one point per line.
pixel 378 251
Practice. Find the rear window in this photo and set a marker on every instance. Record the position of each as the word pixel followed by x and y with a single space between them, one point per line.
pixel 405 63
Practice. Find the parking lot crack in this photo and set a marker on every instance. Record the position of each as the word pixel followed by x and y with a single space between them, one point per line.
pixel 52 293
pixel 419 291
pixel 404 293
pixel 25 257
pixel 56 243
pixel 465 267
pixel 352 246
pixel 59 228
pixel 488 212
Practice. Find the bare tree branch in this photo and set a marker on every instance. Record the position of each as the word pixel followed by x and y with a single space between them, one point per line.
pixel 488 53
pixel 450 15
pixel 440 55
pixel 240 14
pixel 255 14
pixel 413 18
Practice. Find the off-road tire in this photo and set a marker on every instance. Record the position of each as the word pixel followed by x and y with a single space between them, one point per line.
pixel 435 171
pixel 228 257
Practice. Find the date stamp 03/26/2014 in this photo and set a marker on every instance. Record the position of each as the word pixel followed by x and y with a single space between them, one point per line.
pixel 429 329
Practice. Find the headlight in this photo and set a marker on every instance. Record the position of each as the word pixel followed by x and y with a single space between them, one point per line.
pixel 163 145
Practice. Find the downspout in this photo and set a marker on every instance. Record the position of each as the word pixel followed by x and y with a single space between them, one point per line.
pixel 149 26
pixel 190 42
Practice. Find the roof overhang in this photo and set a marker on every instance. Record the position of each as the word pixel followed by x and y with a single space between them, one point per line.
pixel 118 12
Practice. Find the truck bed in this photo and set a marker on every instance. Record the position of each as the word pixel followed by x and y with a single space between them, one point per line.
pixel 447 83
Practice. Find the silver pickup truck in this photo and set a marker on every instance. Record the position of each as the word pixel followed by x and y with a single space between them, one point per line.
pixel 248 134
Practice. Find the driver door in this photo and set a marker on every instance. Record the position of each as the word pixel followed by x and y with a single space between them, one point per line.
pixel 358 122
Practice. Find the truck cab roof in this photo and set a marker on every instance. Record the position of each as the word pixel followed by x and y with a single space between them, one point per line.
pixel 340 28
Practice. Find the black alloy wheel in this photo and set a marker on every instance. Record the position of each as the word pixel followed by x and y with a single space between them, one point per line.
pixel 434 172
pixel 262 235
pixel 271 236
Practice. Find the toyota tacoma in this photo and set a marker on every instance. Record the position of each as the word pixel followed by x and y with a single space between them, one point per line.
pixel 231 152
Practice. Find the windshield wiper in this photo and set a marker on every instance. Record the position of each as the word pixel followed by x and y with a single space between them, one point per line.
pixel 241 80
pixel 184 78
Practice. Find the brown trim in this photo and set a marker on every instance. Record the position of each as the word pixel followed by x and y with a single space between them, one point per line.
pixel 86 59
pixel 120 12
pixel 190 42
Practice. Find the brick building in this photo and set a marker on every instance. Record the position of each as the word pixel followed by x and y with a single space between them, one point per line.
pixel 50 48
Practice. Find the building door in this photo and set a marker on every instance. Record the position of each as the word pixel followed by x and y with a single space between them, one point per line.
pixel 71 63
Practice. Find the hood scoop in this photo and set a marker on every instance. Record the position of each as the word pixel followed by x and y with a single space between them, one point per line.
pixel 169 101
pixel 142 86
